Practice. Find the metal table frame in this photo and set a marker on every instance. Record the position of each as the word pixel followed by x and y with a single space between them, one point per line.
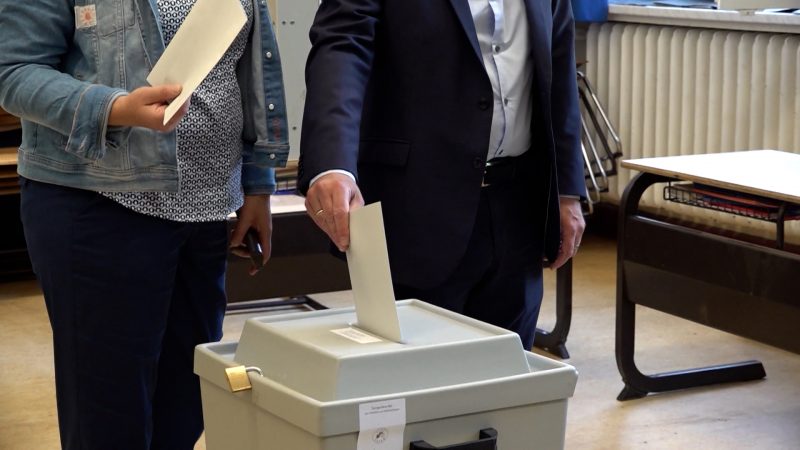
pixel 555 340
pixel 707 278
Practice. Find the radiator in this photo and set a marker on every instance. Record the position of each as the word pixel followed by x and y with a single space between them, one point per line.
pixel 683 91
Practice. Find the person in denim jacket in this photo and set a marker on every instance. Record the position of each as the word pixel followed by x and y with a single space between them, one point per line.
pixel 124 217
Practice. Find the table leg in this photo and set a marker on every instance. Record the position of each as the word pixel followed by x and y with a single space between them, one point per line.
pixel 555 341
pixel 637 384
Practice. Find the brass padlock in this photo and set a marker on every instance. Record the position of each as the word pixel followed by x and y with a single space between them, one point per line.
pixel 238 379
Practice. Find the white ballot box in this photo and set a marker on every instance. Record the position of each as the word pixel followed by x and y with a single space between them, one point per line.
pixel 454 383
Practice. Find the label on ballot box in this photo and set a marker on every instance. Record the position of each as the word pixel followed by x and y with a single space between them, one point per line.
pixel 381 425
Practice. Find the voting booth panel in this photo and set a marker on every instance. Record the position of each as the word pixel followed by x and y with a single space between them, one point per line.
pixel 451 378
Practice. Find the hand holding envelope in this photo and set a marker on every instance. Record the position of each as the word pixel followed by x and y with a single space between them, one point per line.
pixel 145 107
pixel 201 41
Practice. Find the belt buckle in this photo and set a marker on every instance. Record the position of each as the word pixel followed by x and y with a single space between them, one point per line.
pixel 485 170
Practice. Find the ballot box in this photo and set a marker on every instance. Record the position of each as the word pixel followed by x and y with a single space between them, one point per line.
pixel 317 382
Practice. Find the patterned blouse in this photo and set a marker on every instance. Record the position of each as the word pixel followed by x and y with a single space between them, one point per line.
pixel 209 138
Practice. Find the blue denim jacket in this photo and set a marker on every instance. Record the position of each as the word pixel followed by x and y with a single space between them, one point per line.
pixel 61 81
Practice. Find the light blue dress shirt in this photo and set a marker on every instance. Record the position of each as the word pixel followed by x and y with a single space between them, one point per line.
pixel 502 29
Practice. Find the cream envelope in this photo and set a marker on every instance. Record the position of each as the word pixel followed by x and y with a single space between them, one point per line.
pixel 201 41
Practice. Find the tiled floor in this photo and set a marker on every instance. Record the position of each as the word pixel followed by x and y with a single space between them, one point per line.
pixel 755 415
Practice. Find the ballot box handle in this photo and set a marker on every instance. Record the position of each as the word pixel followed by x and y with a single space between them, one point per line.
pixel 487 440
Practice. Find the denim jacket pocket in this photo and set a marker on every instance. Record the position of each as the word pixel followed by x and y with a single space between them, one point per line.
pixel 40 134
pixel 114 15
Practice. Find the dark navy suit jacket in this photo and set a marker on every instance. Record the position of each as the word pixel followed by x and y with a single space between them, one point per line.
pixel 398 95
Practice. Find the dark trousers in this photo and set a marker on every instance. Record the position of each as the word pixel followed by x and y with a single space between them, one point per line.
pixel 499 279
pixel 129 297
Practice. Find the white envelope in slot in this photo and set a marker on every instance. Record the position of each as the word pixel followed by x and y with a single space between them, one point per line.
pixel 370 276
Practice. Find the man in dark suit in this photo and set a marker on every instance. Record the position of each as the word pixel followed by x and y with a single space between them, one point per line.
pixel 461 117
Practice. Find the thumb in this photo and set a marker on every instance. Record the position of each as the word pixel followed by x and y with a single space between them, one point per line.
pixel 161 94
pixel 356 200
pixel 237 238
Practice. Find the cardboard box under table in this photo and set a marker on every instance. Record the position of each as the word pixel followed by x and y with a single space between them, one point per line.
pixel 453 375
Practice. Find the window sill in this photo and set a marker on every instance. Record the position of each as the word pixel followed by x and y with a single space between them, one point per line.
pixel 764 21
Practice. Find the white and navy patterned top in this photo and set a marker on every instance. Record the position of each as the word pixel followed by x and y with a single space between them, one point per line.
pixel 209 138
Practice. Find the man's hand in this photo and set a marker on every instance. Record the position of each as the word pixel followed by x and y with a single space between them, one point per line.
pixel 255 213
pixel 145 106
pixel 329 202
pixel 572 226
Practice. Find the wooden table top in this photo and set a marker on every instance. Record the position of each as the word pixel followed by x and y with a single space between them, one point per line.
pixel 8 156
pixel 9 181
pixel 768 173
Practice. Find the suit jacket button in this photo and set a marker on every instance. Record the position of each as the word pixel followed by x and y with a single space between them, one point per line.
pixel 478 163
pixel 483 104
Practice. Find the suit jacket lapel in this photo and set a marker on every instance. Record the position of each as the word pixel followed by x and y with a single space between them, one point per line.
pixel 464 14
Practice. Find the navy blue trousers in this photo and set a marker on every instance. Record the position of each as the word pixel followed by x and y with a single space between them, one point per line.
pixel 129 296
pixel 499 278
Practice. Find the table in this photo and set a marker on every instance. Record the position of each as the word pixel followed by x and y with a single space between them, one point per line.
pixel 742 287
pixel 9 181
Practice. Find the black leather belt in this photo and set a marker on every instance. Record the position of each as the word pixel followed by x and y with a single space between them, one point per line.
pixel 503 170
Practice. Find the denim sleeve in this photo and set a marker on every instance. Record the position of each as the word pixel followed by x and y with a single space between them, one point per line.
pixel 257 178
pixel 35 42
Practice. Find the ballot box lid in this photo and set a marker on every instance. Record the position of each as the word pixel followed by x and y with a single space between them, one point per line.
pixel 324 355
